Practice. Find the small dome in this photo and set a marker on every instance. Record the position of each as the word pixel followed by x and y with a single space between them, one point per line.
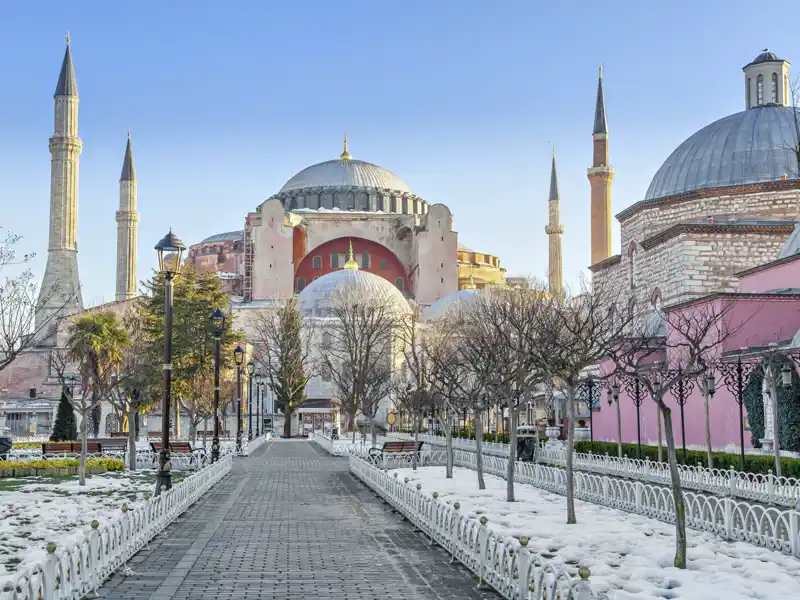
pixel 318 298
pixel 766 56
pixel 446 305
pixel 228 236
pixel 346 173
pixel 752 146
pixel 792 244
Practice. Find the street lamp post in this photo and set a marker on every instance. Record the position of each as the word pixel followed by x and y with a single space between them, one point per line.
pixel 238 359
pixel 170 253
pixel 592 389
pixel 613 396
pixel 250 370
pixel 258 402
pixel 681 392
pixel 218 328
pixel 634 388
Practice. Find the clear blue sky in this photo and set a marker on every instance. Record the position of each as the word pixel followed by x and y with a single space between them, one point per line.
pixel 463 99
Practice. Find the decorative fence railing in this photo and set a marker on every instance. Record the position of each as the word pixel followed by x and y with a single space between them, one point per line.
pixel 491 448
pixel 733 520
pixel 769 489
pixel 504 563
pixel 79 569
pixel 345 446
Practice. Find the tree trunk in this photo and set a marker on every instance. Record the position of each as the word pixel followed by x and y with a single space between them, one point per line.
pixel 709 450
pixel 415 458
pixel 660 449
pixel 446 426
pixel 512 454
pixel 205 431
pixel 287 423
pixel 776 421
pixel 373 431
pixel 132 410
pixel 97 415
pixel 619 430
pixel 193 430
pixel 677 490
pixel 479 448
pixel 570 446
pixel 84 434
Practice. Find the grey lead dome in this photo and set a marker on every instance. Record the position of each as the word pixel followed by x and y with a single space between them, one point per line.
pixel 752 146
pixel 346 173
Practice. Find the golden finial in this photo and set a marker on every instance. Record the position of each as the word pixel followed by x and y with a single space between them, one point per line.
pixel 351 263
pixel 470 285
pixel 68 38
pixel 345 155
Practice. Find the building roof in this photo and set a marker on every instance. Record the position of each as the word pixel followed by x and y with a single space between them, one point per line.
pixel 345 172
pixel 66 85
pixel 128 171
pixel 228 236
pixel 448 304
pixel 765 56
pixel 320 296
pixel 752 146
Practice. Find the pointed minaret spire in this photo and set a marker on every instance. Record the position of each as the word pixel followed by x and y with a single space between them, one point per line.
pixel 66 85
pixel 127 228
pixel 554 231
pixel 128 171
pixel 600 122
pixel 345 155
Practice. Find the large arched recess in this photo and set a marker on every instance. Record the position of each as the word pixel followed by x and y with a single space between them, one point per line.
pixel 382 261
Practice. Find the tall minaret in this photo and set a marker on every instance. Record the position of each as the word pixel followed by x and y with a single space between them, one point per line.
pixel 554 232
pixel 60 292
pixel 127 228
pixel 600 176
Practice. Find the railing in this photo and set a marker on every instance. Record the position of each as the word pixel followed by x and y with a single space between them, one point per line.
pixel 504 563
pixel 254 444
pixel 80 568
pixel 491 448
pixel 345 447
pixel 733 520
pixel 769 489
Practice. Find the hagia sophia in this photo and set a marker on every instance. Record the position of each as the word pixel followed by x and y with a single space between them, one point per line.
pixel 721 210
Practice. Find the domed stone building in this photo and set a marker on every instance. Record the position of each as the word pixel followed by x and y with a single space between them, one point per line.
pixel 724 201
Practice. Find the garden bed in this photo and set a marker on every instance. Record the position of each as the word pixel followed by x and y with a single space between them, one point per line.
pixel 64 467
pixel 629 556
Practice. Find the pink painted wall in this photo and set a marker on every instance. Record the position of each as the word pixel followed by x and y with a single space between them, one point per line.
pixel 759 321
pixel 784 275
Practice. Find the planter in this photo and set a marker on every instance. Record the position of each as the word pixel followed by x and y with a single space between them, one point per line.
pixel 583 434
pixel 49 471
pixel 553 431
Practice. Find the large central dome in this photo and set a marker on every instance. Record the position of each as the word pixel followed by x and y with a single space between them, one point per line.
pixel 346 172
pixel 752 146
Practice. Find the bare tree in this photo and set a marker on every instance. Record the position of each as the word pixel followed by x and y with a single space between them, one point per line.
pixel 571 334
pixel 19 303
pixel 359 350
pixel 284 347
pixel 682 343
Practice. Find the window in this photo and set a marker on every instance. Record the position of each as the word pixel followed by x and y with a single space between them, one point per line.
pixel 365 260
pixel 786 89
pixel 383 264
pixel 316 262
pixel 774 88
pixel 334 260
pixel 301 284
pixel 399 283
pixel 760 90
pixel 749 103
pixel 631 265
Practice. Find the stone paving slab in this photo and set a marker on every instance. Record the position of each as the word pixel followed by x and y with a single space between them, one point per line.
pixel 292 523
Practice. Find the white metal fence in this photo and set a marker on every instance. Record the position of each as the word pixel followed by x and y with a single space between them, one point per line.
pixel 504 563
pixel 73 572
pixel 491 448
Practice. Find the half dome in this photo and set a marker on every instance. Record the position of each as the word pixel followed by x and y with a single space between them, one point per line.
pixel 320 296
pixel 449 304
pixel 345 172
pixel 752 146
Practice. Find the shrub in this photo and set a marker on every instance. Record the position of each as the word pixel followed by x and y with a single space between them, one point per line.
pixel 753 463
pixel 110 464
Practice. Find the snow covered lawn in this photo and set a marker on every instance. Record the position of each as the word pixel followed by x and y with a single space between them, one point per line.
pixel 37 510
pixel 630 556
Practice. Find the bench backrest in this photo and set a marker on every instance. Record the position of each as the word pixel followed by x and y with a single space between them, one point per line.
pixel 393 446
pixel 155 446
pixel 50 447
pixel 119 434
pixel 91 447
pixel 114 444
pixel 180 447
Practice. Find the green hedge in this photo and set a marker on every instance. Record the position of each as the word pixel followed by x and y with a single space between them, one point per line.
pixel 790 467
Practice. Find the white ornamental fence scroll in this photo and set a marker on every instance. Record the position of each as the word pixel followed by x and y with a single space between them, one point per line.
pixel 73 572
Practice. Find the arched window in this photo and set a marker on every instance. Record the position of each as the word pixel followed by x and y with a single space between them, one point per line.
pixel 316 262
pixel 631 265
pixel 334 260
pixel 399 283
pixel 774 88
pixel 301 284
pixel 760 90
pixel 786 89
pixel 655 299
pixel 749 103
pixel 365 260
pixel 383 264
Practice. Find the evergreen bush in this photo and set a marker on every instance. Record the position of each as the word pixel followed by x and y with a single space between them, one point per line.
pixel 66 426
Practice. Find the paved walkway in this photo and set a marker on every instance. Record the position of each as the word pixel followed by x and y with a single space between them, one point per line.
pixel 290 522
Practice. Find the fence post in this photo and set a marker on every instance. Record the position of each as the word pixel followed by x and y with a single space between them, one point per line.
pixel 771 486
pixel 732 476
pixel 483 545
pixel 524 568
pixel 49 585
pixel 794 531
pixel 583 589
pixel 728 518
pixel 637 494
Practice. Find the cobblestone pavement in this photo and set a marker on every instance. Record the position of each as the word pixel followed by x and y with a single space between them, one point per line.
pixel 290 522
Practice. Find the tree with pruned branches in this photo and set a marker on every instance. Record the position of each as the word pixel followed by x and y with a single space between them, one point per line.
pixel 660 349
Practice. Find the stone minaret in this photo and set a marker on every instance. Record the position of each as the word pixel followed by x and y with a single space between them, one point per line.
pixel 600 176
pixel 60 293
pixel 554 232
pixel 127 228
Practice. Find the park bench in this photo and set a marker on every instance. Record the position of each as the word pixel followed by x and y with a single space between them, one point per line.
pixel 376 455
pixel 114 446
pixel 197 456
pixel 73 448
pixel 119 434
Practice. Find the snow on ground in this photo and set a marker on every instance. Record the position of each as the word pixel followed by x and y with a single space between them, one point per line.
pixel 630 556
pixel 38 510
